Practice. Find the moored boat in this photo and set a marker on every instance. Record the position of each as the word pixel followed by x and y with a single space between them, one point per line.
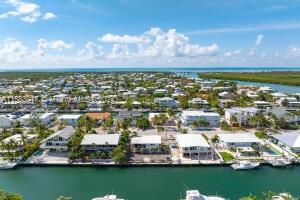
pixel 244 165
pixel 195 195
pixel 108 197
pixel 280 162
pixel 5 164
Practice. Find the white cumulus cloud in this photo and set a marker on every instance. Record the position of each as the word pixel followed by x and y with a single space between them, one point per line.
pixel 92 51
pixel 12 50
pixel 110 38
pixel 232 53
pixel 59 45
pixel 25 11
pixel 49 15
pixel 159 43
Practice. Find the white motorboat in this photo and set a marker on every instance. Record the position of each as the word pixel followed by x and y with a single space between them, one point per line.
pixel 108 197
pixel 195 195
pixel 244 165
pixel 283 196
pixel 5 164
pixel 280 162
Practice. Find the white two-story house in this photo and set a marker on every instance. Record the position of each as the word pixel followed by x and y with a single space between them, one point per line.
pixel 58 141
pixel 194 146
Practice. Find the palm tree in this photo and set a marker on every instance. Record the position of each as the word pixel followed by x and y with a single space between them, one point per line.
pixel 178 124
pixel 184 131
pixel 160 129
pixel 254 121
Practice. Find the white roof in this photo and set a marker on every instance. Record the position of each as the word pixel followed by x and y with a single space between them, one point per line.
pixel 261 102
pixel 239 138
pixel 18 138
pixel 151 115
pixel 198 113
pixel 45 115
pixel 278 94
pixel 191 140
pixel 27 116
pixel 161 90
pixel 290 139
pixel 147 139
pixel 66 133
pixel 60 95
pixel 99 139
pixel 242 109
pixel 69 116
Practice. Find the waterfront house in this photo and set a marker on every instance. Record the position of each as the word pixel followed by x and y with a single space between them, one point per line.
pixel 237 140
pixel 58 141
pixel 266 89
pixel 17 142
pixel 98 117
pixel 289 140
pixel 71 120
pixel 6 121
pixel 188 117
pixel 45 119
pixel 278 95
pixel 193 146
pixel 245 144
pixel 127 114
pixel 100 142
pixel 281 113
pixel 146 143
pixel 292 102
pixel 167 102
pixel 239 116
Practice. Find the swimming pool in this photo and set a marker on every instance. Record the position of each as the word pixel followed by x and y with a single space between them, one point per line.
pixel 271 151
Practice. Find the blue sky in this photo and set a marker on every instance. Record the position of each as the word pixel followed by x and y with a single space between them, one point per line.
pixel 133 33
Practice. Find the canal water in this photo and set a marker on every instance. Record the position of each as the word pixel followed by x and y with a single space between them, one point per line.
pixel 277 87
pixel 146 183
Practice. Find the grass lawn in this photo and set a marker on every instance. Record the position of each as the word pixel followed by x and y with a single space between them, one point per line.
pixel 226 156
pixel 285 78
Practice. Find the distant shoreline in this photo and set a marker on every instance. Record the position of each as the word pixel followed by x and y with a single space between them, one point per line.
pixel 156 69
pixel 291 78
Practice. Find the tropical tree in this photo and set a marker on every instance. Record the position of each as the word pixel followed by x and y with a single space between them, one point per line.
pixel 171 112
pixel 184 131
pixel 200 123
pixel 87 124
pixel 184 102
pixel 284 102
pixel 142 123
pixel 215 138
pixel 259 121
pixel 160 119
pixel 160 129
pixel 9 196
pixel 178 124
pixel 108 123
